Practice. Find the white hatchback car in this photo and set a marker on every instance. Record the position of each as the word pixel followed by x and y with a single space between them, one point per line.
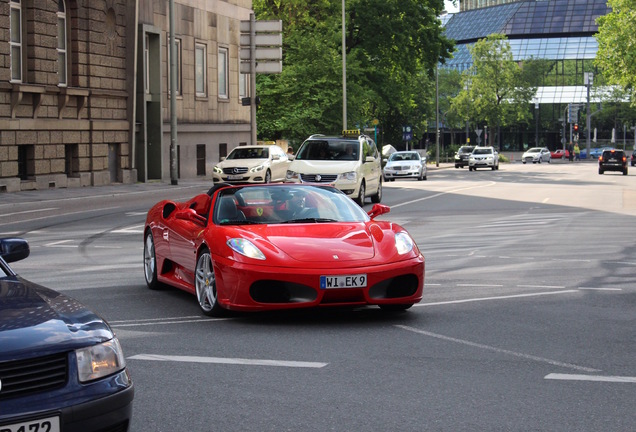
pixel 252 164
pixel 537 155
pixel 351 162
pixel 483 157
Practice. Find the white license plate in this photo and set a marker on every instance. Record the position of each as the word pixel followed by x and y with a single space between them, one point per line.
pixel 234 177
pixel 50 424
pixel 348 281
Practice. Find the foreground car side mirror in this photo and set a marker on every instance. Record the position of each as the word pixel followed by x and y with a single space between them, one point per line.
pixel 378 209
pixel 14 249
pixel 190 215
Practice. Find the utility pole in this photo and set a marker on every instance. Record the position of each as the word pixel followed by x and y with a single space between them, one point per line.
pixel 344 70
pixel 437 116
pixel 589 79
pixel 173 100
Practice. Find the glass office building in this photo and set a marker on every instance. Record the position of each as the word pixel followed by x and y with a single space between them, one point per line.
pixel 561 31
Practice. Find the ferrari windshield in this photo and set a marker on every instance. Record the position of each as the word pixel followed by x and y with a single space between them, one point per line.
pixel 285 203
pixel 249 153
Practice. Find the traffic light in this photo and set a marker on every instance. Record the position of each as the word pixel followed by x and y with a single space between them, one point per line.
pixel 576 128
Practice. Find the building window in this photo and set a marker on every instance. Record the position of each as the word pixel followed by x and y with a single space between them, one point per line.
pixel 71 160
pixel 147 64
pixel 200 69
pixel 16 40
pixel 61 43
pixel 26 161
pixel 200 159
pixel 177 43
pixel 223 73
pixel 242 82
pixel 222 150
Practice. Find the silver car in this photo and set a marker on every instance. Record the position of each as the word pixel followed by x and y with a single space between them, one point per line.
pixel 537 155
pixel 405 164
pixel 483 157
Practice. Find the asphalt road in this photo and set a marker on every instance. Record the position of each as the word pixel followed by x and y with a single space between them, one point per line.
pixel 527 322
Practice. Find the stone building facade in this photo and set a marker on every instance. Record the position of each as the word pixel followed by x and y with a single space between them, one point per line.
pixel 210 117
pixel 63 94
pixel 84 95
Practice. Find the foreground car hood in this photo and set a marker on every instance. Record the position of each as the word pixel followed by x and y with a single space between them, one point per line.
pixel 34 318
pixel 320 242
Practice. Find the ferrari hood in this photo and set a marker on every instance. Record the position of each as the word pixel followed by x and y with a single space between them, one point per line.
pixel 323 242
pixel 37 318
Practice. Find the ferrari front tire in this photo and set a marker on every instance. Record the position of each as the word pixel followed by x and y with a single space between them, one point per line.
pixel 205 285
pixel 150 262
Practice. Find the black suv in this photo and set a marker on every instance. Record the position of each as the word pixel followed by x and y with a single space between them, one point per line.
pixel 612 160
pixel 633 160
pixel 462 155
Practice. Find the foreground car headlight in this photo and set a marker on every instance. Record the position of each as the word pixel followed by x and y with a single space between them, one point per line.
pixel 403 243
pixel 98 361
pixel 246 248
pixel 257 168
pixel 217 170
pixel 349 176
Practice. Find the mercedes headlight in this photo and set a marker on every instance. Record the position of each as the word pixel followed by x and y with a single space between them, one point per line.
pixel 292 175
pixel 257 168
pixel 217 170
pixel 100 360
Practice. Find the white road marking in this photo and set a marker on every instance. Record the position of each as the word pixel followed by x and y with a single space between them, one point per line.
pixel 442 193
pixel 28 211
pixel 480 285
pixel 498 350
pixel 164 322
pixel 494 298
pixel 233 361
pixel 541 286
pixel 598 378
pixel 58 244
pixel 599 289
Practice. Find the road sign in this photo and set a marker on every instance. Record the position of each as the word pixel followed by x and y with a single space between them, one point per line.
pixel 263 67
pixel 264 52
pixel 407 133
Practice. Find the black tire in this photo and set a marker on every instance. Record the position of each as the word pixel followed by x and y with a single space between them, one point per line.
pixel 625 172
pixel 600 171
pixel 205 285
pixel 268 177
pixel 377 197
pixel 150 262
pixel 361 195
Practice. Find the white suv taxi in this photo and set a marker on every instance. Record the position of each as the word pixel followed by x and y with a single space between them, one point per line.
pixel 483 157
pixel 252 164
pixel 351 162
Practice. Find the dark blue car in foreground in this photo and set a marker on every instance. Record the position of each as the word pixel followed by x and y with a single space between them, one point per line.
pixel 61 366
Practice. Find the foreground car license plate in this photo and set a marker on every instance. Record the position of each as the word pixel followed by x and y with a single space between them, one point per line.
pixel 234 177
pixel 349 281
pixel 50 424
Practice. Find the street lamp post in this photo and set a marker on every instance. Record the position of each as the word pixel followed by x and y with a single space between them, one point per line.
pixel 589 79
pixel 173 99
pixel 536 130
pixel 344 71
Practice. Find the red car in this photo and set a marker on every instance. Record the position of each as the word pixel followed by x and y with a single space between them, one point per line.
pixel 281 246
pixel 560 154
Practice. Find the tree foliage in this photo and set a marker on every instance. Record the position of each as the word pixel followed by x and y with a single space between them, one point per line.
pixel 392 47
pixel 494 90
pixel 616 55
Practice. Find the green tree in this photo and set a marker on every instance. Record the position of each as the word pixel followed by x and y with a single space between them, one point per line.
pixel 616 55
pixel 392 48
pixel 493 89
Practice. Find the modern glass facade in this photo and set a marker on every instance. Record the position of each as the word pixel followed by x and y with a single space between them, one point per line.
pixel 559 31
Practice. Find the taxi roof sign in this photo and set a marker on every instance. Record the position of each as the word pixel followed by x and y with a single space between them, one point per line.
pixel 351 132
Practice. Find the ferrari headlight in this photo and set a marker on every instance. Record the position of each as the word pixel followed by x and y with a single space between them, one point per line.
pixel 217 170
pixel 98 361
pixel 403 243
pixel 257 168
pixel 349 176
pixel 246 248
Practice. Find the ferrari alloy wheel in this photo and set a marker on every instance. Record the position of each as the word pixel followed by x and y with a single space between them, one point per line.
pixel 205 285
pixel 150 262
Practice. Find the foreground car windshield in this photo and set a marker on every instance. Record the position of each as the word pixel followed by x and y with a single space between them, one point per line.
pixel 278 204
pixel 398 157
